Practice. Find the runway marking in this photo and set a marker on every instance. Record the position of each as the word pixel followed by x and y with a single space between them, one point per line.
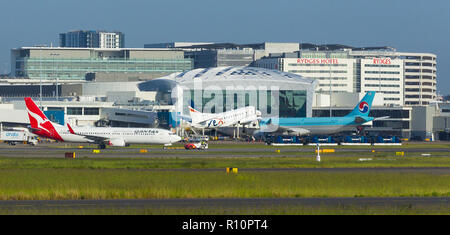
pixel 67 205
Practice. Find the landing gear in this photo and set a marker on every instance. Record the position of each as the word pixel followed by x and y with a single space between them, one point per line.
pixel 359 130
pixel 102 146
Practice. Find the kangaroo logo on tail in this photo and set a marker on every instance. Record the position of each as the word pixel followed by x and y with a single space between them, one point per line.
pixel 39 122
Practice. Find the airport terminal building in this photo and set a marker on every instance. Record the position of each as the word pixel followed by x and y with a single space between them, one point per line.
pixel 220 89
pixel 80 64
pixel 160 102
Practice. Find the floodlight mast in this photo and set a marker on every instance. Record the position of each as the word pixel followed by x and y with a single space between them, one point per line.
pixel 40 73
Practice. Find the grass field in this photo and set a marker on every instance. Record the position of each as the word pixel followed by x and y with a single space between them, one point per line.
pixel 145 177
pixel 384 160
pixel 53 184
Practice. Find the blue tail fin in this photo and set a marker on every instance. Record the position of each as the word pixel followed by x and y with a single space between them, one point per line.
pixel 363 107
pixel 192 104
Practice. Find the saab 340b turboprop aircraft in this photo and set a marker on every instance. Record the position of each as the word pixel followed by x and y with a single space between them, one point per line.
pixel 113 136
pixel 243 116
pixel 322 125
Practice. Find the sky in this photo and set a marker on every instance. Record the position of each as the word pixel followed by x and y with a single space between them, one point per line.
pixel 408 26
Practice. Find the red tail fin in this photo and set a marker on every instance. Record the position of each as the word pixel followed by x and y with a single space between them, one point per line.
pixel 40 122
pixel 34 113
pixel 70 129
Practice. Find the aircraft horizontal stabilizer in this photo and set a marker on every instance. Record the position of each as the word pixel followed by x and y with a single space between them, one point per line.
pixel 33 129
pixel 70 129
pixel 359 119
pixel 381 118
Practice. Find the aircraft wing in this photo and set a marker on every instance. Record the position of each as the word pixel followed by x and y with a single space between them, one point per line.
pixel 359 119
pixel 381 118
pixel 31 129
pixel 97 139
pixel 270 128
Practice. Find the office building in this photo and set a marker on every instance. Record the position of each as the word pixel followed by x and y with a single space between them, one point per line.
pixel 58 63
pixel 92 39
pixel 208 54
pixel 419 73
pixel 403 78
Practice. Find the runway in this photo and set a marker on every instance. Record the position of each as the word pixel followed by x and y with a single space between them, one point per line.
pixel 57 150
pixel 223 203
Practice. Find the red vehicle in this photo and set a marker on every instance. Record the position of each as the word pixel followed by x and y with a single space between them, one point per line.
pixel 196 145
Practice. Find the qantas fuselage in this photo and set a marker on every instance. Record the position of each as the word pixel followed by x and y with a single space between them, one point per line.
pixel 114 136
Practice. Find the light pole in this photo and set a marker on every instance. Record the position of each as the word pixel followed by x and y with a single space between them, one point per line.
pixel 40 73
pixel 329 62
pixel 6 67
pixel 40 77
pixel 53 57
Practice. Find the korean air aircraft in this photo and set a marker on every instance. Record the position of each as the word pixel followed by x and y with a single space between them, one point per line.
pixel 242 116
pixel 322 125
pixel 113 136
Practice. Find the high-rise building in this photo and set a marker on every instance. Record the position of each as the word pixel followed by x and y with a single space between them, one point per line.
pixel 92 39
pixel 403 78
pixel 419 74
pixel 420 78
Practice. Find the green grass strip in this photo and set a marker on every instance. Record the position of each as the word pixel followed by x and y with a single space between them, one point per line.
pixel 54 184
pixel 328 161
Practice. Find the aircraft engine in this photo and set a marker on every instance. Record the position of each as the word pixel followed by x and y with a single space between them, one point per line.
pixel 117 142
pixel 299 131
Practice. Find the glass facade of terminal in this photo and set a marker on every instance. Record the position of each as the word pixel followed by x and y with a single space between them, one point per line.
pixel 289 103
pixel 76 69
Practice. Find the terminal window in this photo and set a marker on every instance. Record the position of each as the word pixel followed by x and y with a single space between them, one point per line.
pixel 91 111
pixel 74 111
pixel 291 103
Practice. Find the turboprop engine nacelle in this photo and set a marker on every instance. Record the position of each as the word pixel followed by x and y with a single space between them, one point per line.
pixel 117 142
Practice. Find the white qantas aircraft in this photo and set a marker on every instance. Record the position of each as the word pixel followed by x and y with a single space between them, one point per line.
pixel 113 136
pixel 242 116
